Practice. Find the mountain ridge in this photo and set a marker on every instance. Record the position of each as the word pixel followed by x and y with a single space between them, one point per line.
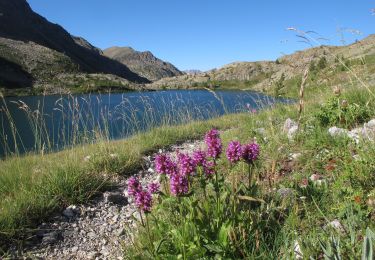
pixel 143 63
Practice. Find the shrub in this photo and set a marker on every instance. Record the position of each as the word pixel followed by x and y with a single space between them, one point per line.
pixel 339 111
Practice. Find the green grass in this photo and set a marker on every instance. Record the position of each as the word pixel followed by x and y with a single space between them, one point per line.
pixel 33 186
pixel 272 229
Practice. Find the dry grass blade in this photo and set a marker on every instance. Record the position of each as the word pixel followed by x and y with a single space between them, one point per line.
pixel 301 94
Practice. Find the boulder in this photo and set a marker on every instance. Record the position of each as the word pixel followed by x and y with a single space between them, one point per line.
pixel 290 128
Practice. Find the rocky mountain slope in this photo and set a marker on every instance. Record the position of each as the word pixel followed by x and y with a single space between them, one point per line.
pixel 263 75
pixel 34 51
pixel 142 63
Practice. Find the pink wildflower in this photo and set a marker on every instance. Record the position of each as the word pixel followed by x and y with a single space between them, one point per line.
pixel 153 187
pixel 134 186
pixel 143 200
pixel 213 142
pixel 250 152
pixel 234 151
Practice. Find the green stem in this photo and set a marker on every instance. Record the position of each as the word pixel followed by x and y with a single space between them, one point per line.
pixel 250 174
pixel 142 222
pixel 183 228
pixel 149 234
pixel 217 193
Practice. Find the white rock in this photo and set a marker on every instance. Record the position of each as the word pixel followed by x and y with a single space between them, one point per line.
pixel 294 156
pixel 354 135
pixel 297 250
pixel 336 224
pixel 261 131
pixel 336 131
pixel 292 132
pixel 290 128
pixel 288 124
pixel 150 170
pixel 370 124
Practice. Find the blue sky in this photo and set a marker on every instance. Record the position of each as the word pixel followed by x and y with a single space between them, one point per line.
pixel 204 34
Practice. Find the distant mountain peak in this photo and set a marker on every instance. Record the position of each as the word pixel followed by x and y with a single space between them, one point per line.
pixel 143 63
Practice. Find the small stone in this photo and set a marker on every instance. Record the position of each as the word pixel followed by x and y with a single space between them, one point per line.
pixel 297 250
pixel 288 124
pixel 74 249
pixel 115 198
pixel 261 131
pixel 93 255
pixel 336 131
pixel 120 232
pixel 371 202
pixel 294 156
pixel 150 170
pixel 136 215
pixel 285 192
pixel 70 211
pixel 336 224
pixel 91 235
pixel 51 238
pixel 104 251
pixel 370 124
pixel 292 132
pixel 115 218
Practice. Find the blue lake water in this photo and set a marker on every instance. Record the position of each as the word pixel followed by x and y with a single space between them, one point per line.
pixel 52 122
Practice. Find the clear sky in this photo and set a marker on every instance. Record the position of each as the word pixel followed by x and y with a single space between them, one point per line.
pixel 204 34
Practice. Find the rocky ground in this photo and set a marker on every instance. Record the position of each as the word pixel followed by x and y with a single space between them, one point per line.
pixel 97 229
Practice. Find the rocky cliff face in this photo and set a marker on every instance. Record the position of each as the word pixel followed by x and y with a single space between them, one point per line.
pixel 142 63
pixel 27 41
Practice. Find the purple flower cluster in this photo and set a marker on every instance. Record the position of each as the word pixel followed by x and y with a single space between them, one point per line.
pixel 153 187
pixel 134 186
pixel 143 198
pixel 179 172
pixel 209 168
pixel 179 184
pixel 186 164
pixel 234 151
pixel 199 157
pixel 250 152
pixel 213 142
pixel 164 164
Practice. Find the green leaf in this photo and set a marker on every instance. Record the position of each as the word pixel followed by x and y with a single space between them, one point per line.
pixel 158 245
pixel 213 248
pixel 223 234
pixel 367 249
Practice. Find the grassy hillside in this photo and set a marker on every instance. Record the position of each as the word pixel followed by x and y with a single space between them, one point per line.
pixel 329 65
